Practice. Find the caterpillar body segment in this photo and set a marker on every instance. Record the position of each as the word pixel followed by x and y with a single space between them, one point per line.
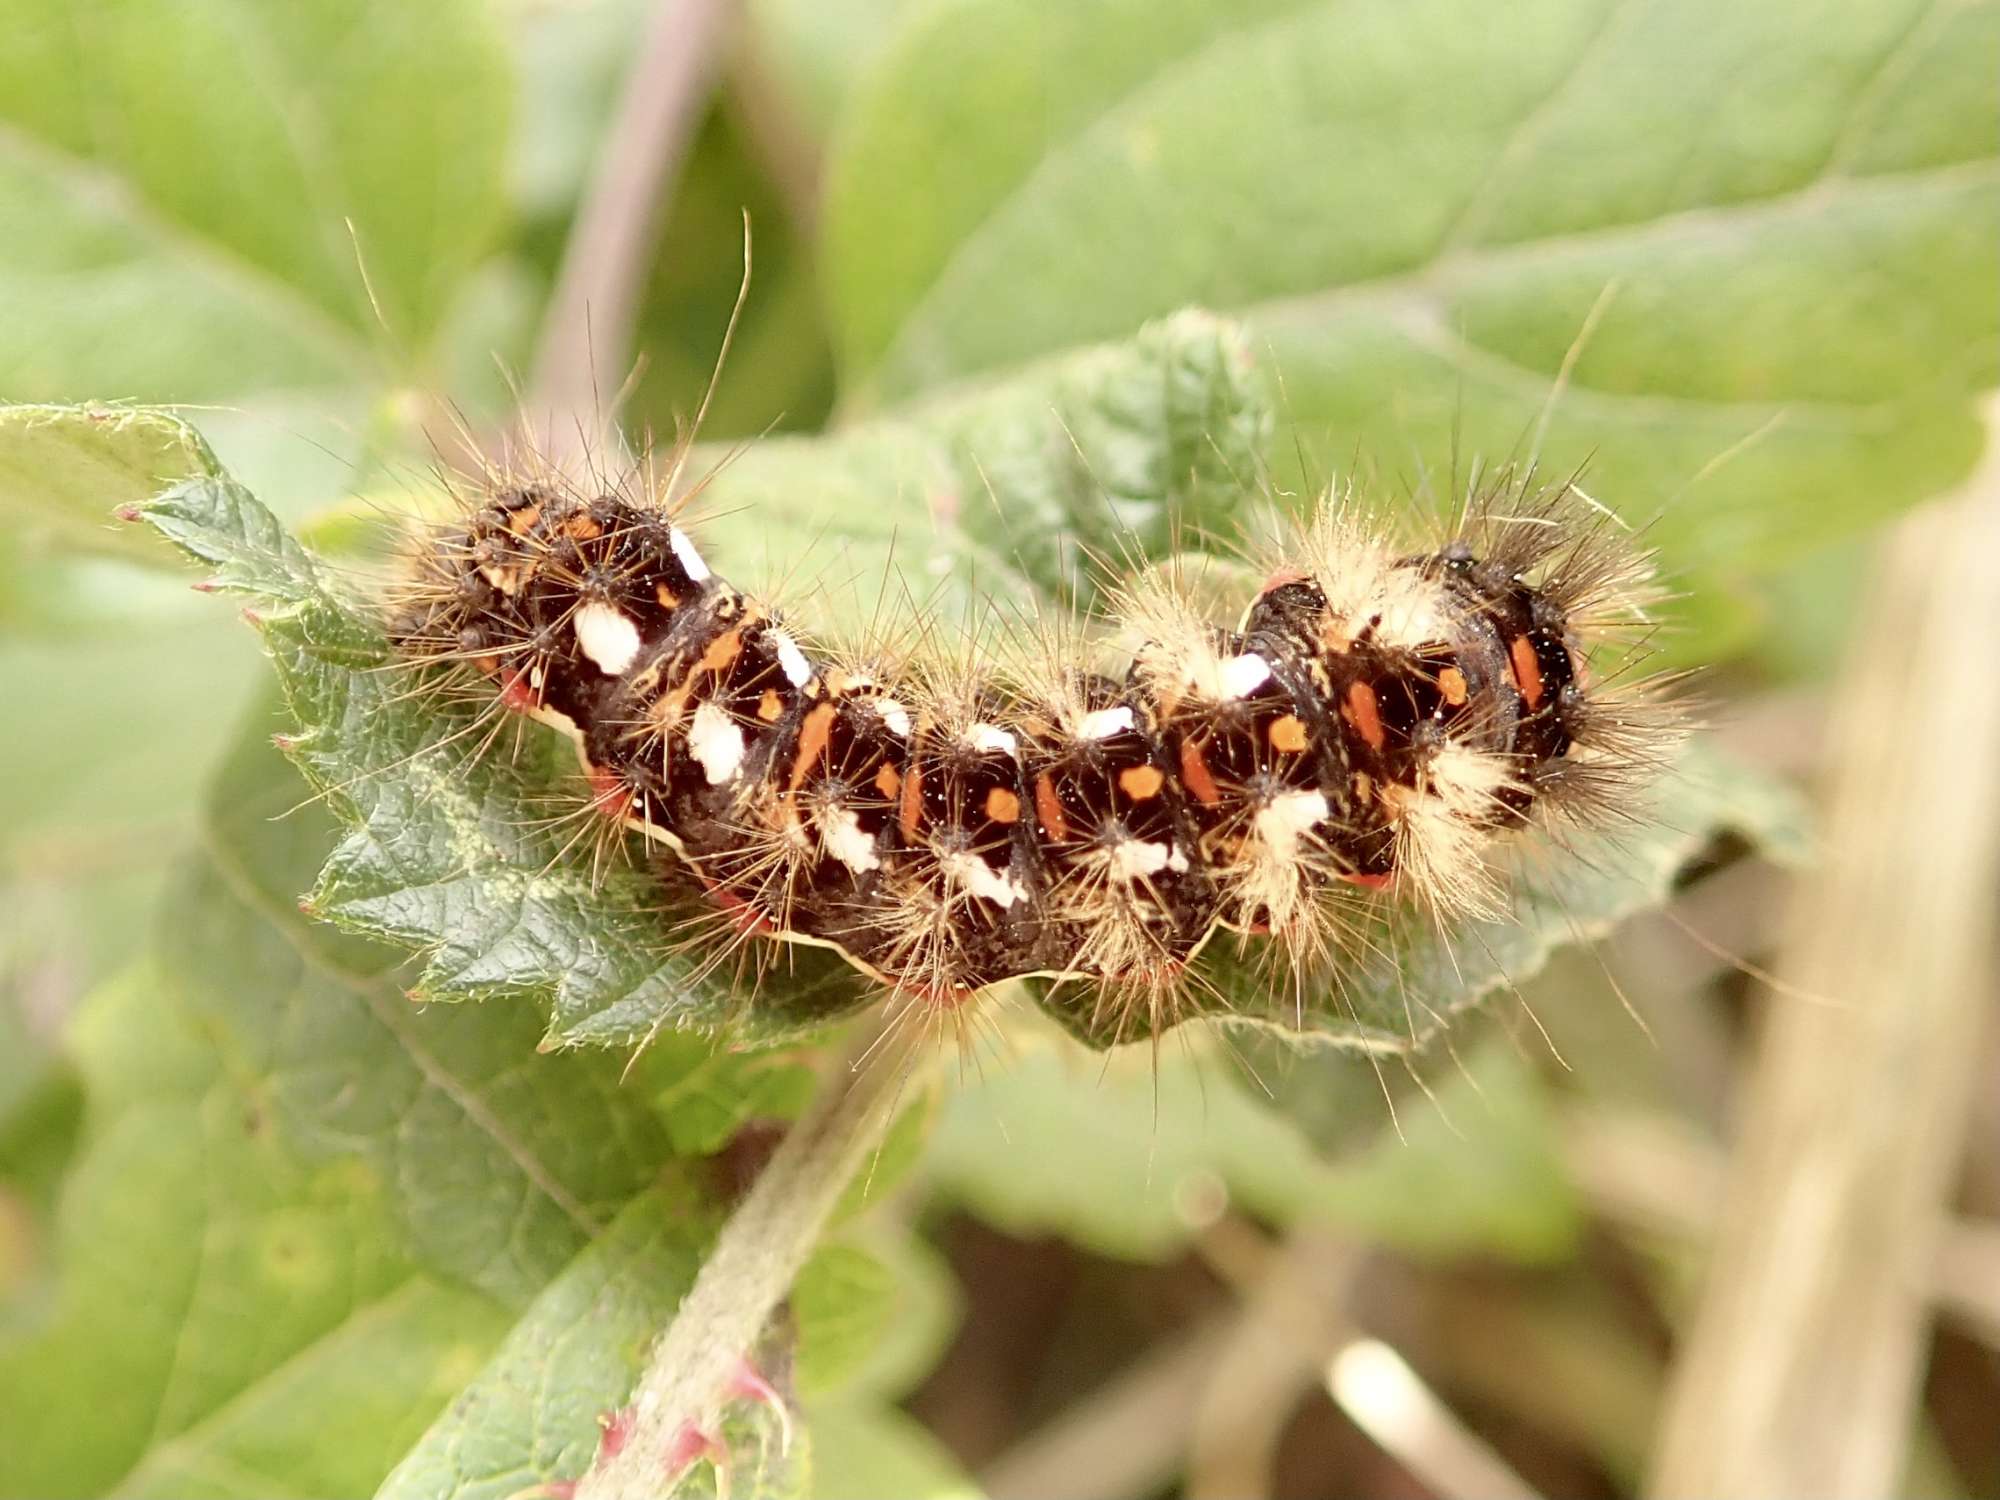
pixel 1378 717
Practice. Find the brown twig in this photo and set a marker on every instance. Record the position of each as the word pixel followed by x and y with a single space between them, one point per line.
pixel 1801 1370
pixel 1124 1440
pixel 586 339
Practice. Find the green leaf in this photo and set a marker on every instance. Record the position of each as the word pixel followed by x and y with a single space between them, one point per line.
pixel 862 1451
pixel 65 470
pixel 983 499
pixel 536 1413
pixel 1783 215
pixel 533 1413
pixel 817 51
pixel 705 1092
pixel 1176 1137
pixel 94 649
pixel 208 1271
pixel 133 263
pixel 294 1187
pixel 875 1309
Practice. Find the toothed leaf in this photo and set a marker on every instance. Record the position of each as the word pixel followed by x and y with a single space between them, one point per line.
pixel 536 1412
pixel 1752 244
pixel 302 1209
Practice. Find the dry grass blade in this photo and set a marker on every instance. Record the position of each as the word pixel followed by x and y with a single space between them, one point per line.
pixel 1801 1369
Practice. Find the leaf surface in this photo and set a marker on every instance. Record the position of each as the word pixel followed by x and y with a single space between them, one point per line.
pixel 1751 244
pixel 128 269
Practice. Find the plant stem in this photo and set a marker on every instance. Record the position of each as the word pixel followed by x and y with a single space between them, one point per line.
pixel 755 1259
pixel 1801 1373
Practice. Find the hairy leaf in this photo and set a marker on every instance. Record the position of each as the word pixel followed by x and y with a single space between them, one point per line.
pixel 302 1208
pixel 191 193
pixel 1751 244
pixel 1173 1145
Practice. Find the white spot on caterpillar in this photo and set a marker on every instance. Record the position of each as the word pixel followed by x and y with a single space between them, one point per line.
pixel 847 841
pixel 972 873
pixel 1103 723
pixel 1243 675
pixel 792 661
pixel 607 636
pixel 993 738
pixel 684 553
pixel 716 742
pixel 1230 677
pixel 1281 820
pixel 895 716
pixel 1135 859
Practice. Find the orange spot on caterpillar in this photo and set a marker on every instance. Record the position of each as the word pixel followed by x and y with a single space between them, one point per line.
pixel 888 781
pixel 609 794
pixel 517 695
pixel 1141 783
pixel 721 652
pixel 937 996
pixel 1002 806
pixel 770 706
pixel 667 597
pixel 1362 711
pixel 1451 683
pixel 1288 735
pixel 582 527
pixel 742 915
pixel 1049 809
pixel 1527 671
pixel 910 815
pixel 522 521
pixel 813 736
pixel 1195 774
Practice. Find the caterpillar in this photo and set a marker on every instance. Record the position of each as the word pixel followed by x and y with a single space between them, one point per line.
pixel 1380 715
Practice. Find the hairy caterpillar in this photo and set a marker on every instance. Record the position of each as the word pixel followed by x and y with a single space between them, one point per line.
pixel 1378 717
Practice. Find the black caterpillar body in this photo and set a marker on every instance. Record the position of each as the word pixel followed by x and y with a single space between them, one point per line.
pixel 1379 715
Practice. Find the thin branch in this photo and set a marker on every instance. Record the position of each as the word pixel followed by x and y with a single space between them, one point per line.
pixel 1800 1374
pixel 586 337
pixel 1655 1176
pixel 756 1257
pixel 1124 1440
